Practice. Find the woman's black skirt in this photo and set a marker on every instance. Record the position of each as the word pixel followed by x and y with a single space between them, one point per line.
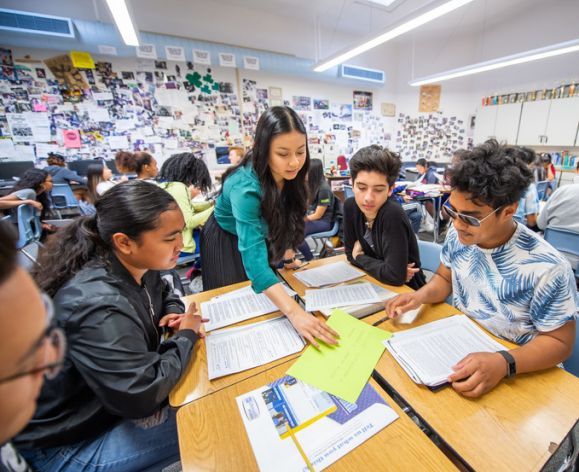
pixel 220 256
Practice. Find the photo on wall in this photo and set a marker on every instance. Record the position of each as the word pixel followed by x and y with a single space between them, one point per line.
pixel 301 103
pixel 321 104
pixel 362 100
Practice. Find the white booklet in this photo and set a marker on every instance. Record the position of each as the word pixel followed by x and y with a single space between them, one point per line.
pixel 342 295
pixel 361 311
pixel 232 350
pixel 238 305
pixel 330 274
pixel 293 426
pixel 427 353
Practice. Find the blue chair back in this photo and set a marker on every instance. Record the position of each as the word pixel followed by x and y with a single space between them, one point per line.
pixel 348 191
pixel 429 255
pixel 542 189
pixel 29 229
pixel 62 197
pixel 565 241
pixel 333 231
pixel 572 364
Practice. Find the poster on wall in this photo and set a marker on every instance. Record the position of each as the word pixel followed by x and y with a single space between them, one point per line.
pixel 388 109
pixel 201 57
pixel 321 104
pixel 341 111
pixel 429 98
pixel 250 62
pixel 175 53
pixel 301 103
pixel 362 100
pixel 227 59
pixel 146 51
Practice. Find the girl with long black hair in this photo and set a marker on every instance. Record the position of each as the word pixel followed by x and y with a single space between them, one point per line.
pixel 259 218
pixel 107 407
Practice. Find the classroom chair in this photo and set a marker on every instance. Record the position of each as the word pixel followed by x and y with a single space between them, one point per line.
pixel 566 242
pixel 63 199
pixel 348 191
pixel 430 258
pixel 29 232
pixel 322 237
pixel 572 364
pixel 542 187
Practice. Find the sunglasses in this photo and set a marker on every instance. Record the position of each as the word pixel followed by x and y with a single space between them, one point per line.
pixel 469 220
pixel 53 352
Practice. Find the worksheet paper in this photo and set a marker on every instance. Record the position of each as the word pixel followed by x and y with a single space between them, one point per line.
pixel 293 426
pixel 427 353
pixel 343 295
pixel 234 350
pixel 238 305
pixel 329 274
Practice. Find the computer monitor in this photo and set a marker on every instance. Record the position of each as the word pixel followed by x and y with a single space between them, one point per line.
pixel 14 169
pixel 81 165
pixel 222 155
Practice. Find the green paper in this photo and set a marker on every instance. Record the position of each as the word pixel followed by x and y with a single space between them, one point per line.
pixel 342 370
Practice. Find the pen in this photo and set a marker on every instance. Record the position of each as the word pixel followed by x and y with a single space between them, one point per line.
pixel 381 320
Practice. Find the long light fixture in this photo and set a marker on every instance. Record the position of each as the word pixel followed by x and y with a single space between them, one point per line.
pixel 405 27
pixel 123 21
pixel 506 61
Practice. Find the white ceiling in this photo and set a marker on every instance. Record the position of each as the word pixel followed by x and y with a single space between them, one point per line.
pixel 242 22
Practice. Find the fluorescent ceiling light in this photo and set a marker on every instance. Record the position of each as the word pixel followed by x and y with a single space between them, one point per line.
pixel 123 21
pixel 385 3
pixel 520 58
pixel 414 23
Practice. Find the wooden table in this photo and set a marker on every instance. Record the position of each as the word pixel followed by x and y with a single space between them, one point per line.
pixel 509 428
pixel 212 436
pixel 195 383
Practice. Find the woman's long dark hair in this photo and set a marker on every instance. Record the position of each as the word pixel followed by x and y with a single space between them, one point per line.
pixel 187 169
pixel 283 211
pixel 34 179
pixel 131 208
pixel 315 178
pixel 94 176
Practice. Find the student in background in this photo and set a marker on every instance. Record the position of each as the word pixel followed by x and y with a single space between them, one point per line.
pixel 528 208
pixel 321 201
pixel 60 173
pixel 562 211
pixel 125 163
pixel 235 155
pixel 99 180
pixel 259 218
pixel 107 408
pixel 549 172
pixel 501 273
pixel 145 166
pixel 427 175
pixel 31 347
pixel 377 232
pixel 185 177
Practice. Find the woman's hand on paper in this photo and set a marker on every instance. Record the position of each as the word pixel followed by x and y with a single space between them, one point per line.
pixel 478 373
pixel 400 304
pixel 312 328
pixel 357 250
pixel 189 320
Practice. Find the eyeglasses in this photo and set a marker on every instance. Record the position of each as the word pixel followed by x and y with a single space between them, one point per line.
pixel 53 341
pixel 469 220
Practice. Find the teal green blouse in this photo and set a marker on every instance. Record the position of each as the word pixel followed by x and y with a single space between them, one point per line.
pixel 238 211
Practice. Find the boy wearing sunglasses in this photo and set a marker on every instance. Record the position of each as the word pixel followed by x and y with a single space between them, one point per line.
pixel 30 347
pixel 501 274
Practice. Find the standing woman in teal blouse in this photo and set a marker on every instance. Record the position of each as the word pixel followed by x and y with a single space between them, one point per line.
pixel 259 218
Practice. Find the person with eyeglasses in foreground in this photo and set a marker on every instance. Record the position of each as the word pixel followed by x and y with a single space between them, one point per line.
pixel 501 274
pixel 107 409
pixel 31 347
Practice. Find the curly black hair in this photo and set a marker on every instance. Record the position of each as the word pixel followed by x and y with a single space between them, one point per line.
pixel 375 158
pixel 493 174
pixel 188 169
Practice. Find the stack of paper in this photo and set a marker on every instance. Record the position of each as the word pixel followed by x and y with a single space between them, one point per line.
pixel 344 295
pixel 295 427
pixel 238 305
pixel 427 353
pixel 233 350
pixel 329 274
pixel 342 370
pixel 361 311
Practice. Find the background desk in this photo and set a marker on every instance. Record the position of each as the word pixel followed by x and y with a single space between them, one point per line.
pixel 195 383
pixel 212 436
